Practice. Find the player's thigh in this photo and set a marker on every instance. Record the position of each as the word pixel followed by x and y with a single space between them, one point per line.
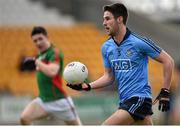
pixel 33 111
pixel 63 109
pixel 146 121
pixel 120 117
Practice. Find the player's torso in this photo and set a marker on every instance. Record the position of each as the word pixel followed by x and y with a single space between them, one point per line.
pixel 47 89
pixel 129 67
pixel 124 58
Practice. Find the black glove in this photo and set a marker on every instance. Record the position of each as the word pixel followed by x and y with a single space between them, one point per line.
pixel 164 100
pixel 79 87
pixel 28 64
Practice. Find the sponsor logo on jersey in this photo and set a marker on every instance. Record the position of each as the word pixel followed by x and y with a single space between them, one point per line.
pixel 121 65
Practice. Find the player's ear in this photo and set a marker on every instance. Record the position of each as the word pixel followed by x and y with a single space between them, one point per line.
pixel 120 19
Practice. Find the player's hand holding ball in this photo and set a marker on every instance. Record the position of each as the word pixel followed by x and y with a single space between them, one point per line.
pixel 75 74
pixel 80 87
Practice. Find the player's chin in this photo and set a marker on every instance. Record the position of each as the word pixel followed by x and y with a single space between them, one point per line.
pixel 108 33
pixel 41 49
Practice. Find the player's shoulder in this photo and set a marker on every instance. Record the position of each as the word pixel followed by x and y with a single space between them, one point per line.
pixel 108 42
pixel 145 42
pixel 140 38
pixel 54 51
pixel 136 37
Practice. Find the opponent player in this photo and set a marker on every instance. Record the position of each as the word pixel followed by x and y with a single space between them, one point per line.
pixel 52 100
pixel 125 55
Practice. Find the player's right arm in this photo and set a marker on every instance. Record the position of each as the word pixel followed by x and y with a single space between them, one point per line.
pixel 108 76
pixel 103 81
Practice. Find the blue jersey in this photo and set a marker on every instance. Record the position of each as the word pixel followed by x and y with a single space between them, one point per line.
pixel 129 62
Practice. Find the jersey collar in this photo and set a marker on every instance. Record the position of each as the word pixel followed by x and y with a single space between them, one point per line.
pixel 51 46
pixel 128 32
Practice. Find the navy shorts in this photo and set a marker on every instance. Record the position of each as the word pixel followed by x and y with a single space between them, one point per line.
pixel 138 107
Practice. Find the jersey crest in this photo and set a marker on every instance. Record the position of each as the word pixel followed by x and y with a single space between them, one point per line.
pixel 129 52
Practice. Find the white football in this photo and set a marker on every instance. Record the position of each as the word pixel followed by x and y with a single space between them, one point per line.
pixel 75 73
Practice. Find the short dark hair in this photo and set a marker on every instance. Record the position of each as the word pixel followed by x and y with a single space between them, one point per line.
pixel 39 30
pixel 117 9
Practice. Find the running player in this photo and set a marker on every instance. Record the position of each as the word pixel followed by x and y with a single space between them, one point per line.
pixel 52 100
pixel 125 55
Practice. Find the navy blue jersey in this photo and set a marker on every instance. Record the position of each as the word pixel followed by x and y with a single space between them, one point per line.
pixel 129 63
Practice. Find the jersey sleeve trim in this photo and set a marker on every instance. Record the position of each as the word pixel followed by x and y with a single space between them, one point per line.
pixel 149 42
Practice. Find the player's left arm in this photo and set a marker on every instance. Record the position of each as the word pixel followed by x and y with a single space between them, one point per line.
pixel 50 69
pixel 149 48
pixel 164 95
pixel 168 66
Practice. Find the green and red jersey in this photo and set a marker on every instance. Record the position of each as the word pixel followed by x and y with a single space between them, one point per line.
pixel 50 88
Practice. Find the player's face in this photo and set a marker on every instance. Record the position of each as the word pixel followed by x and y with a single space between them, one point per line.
pixel 41 41
pixel 110 24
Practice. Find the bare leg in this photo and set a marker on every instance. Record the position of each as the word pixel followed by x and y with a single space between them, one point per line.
pixel 32 112
pixel 147 121
pixel 74 122
pixel 120 117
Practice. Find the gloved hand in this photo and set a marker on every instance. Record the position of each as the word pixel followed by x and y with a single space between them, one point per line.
pixel 80 87
pixel 164 100
pixel 28 64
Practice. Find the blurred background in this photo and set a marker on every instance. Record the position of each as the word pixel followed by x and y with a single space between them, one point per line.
pixel 75 26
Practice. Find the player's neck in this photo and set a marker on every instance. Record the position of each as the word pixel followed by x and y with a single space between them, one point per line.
pixel 120 35
pixel 46 47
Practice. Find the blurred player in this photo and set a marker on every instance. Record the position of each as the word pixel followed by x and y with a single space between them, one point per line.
pixel 125 55
pixel 52 100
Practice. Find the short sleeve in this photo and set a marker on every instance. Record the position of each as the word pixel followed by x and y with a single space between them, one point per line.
pixel 148 47
pixel 105 57
pixel 54 57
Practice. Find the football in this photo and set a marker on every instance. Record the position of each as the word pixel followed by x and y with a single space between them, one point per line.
pixel 75 73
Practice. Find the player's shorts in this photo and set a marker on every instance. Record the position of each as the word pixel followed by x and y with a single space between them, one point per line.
pixel 138 107
pixel 63 109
